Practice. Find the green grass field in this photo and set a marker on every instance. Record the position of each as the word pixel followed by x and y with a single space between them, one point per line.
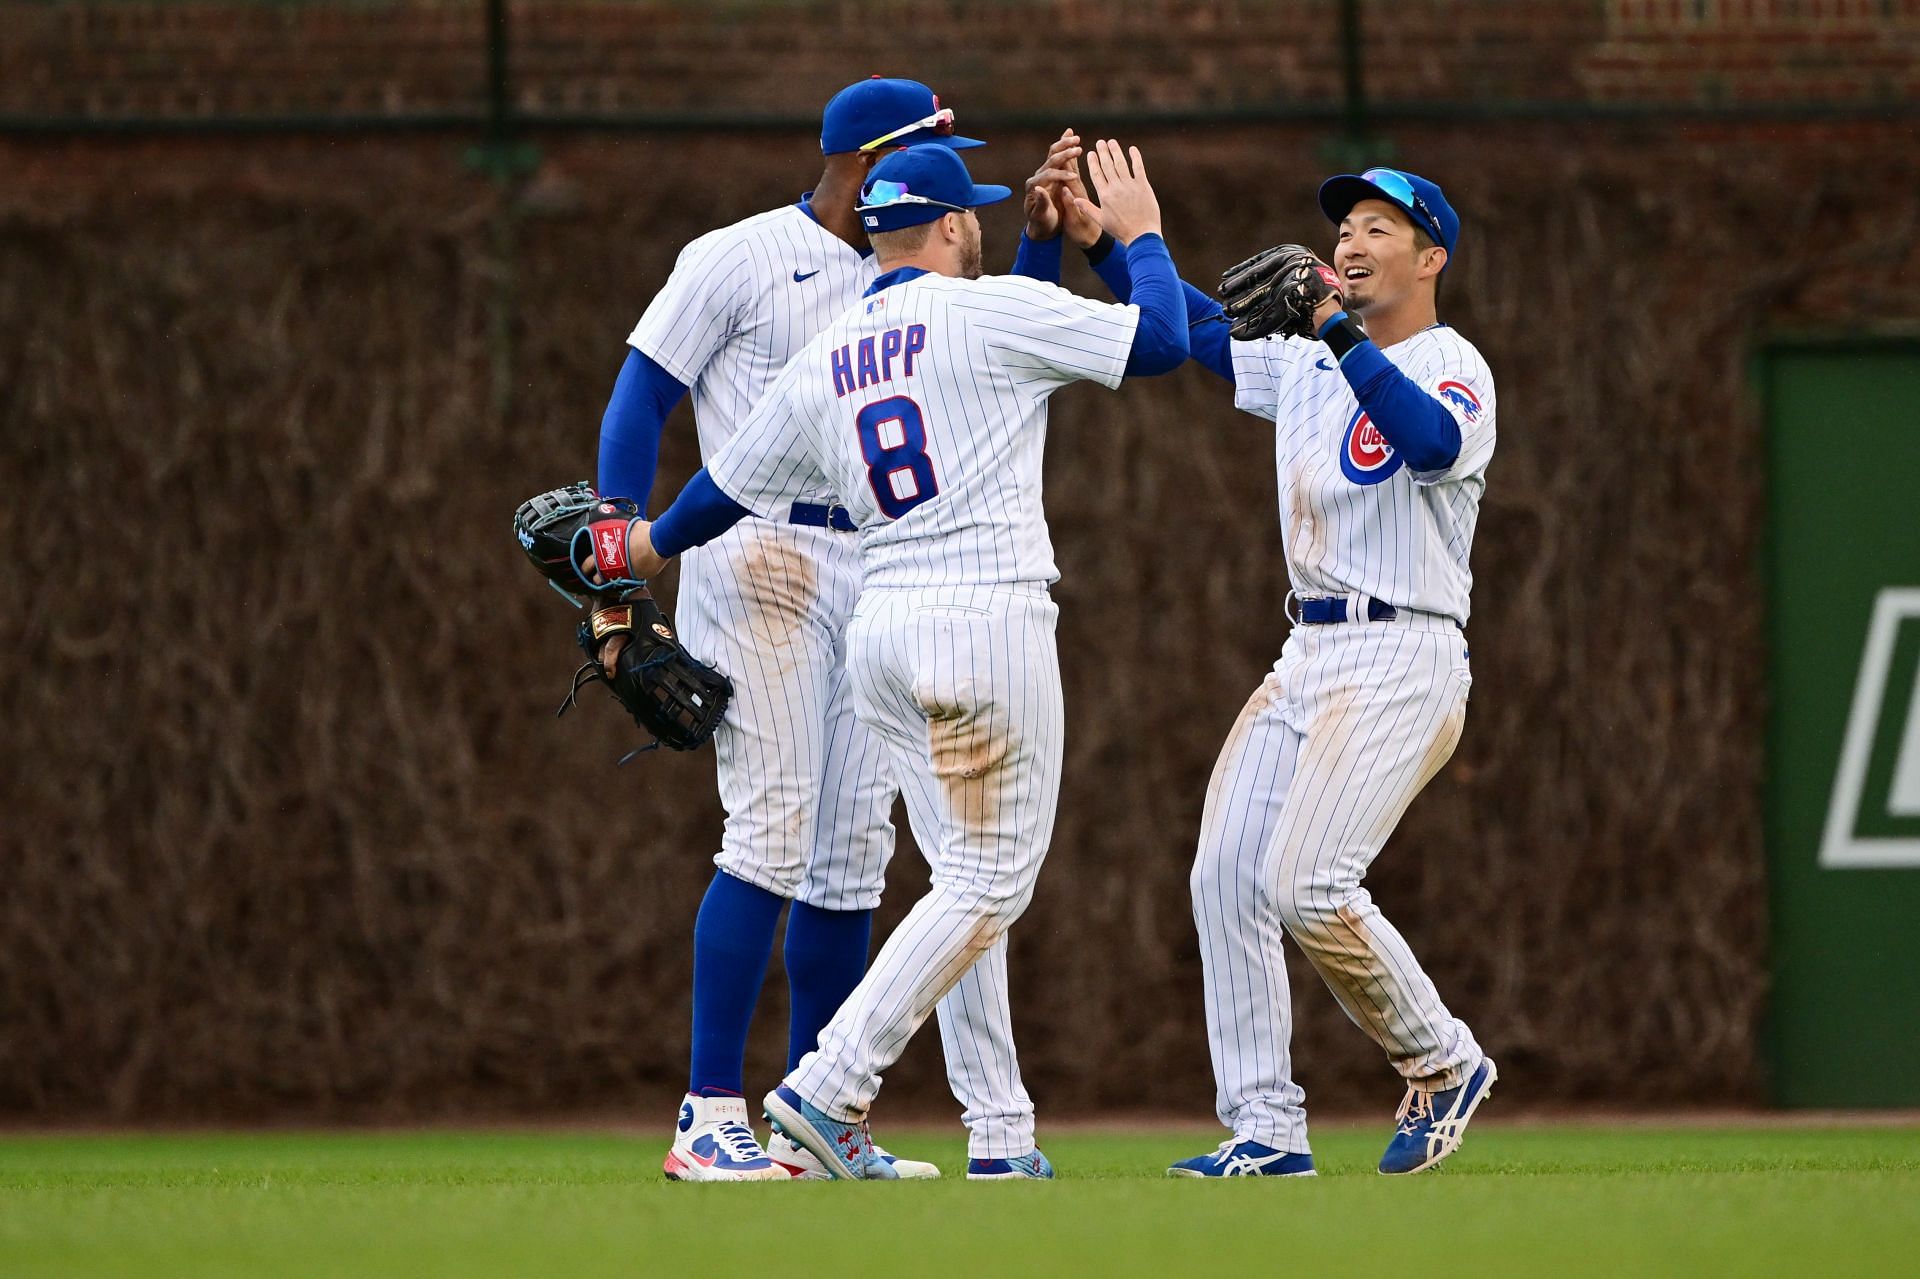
pixel 1518 1200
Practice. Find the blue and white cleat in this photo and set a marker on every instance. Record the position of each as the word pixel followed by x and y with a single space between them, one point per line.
pixel 845 1150
pixel 801 1164
pixel 713 1142
pixel 1238 1158
pixel 1032 1166
pixel 1432 1125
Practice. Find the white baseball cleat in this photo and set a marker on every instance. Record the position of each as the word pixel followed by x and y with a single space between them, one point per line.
pixel 714 1142
pixel 801 1163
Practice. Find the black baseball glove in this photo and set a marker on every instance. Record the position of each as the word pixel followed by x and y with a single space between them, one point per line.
pixel 667 691
pixel 568 531
pixel 1275 292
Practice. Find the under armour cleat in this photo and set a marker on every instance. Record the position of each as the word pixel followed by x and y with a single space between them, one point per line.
pixel 801 1164
pixel 714 1143
pixel 1032 1166
pixel 1238 1158
pixel 845 1151
pixel 1432 1125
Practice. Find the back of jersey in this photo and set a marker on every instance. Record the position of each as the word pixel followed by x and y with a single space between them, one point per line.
pixel 924 409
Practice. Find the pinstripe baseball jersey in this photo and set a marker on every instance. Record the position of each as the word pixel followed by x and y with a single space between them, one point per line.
pixel 925 408
pixel 1354 518
pixel 740 303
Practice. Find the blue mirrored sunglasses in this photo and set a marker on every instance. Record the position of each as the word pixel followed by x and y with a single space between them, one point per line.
pixel 1395 185
pixel 881 193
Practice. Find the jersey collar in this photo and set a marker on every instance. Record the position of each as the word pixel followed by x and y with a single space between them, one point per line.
pixel 887 279
pixel 805 205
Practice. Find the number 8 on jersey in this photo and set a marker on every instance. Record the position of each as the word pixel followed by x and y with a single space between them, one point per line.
pixel 893 439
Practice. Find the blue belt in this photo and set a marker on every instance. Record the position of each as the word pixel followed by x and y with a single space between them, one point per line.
pixel 813 515
pixel 1333 608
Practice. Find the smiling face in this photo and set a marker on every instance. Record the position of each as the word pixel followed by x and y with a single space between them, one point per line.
pixel 1381 260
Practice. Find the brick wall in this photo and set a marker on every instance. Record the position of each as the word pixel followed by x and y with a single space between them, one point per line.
pixel 1004 57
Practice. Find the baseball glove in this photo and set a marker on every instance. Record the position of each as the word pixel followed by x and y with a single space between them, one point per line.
pixel 667 691
pixel 567 531
pixel 1275 292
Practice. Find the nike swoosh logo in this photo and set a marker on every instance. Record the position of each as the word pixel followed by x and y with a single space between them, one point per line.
pixel 797 277
pixel 1322 364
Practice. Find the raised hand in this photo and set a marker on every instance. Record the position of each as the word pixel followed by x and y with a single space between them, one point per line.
pixel 1080 228
pixel 1059 168
pixel 1128 208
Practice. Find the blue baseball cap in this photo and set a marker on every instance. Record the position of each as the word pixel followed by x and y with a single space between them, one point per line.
pixel 887 113
pixel 1418 198
pixel 918 185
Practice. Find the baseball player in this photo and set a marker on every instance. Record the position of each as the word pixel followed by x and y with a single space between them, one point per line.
pixel 807 789
pixel 1383 438
pixel 925 408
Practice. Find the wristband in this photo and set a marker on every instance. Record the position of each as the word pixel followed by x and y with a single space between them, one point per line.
pixel 1341 333
pixel 1097 251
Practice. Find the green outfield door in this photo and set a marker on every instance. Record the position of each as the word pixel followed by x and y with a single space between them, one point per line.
pixel 1843 770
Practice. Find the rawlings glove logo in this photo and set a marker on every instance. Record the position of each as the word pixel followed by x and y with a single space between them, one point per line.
pixel 610 549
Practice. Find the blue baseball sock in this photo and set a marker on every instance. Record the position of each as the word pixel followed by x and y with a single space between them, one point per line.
pixel 826 958
pixel 732 942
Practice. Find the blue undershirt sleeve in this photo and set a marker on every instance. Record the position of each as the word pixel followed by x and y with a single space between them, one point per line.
pixel 1208 332
pixel 1038 259
pixel 1417 425
pixel 1112 269
pixel 643 396
pixel 1160 341
pixel 700 514
pixel 1207 338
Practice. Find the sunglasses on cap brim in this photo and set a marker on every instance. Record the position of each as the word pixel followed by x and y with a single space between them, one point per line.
pixel 1401 192
pixel 941 122
pixel 884 194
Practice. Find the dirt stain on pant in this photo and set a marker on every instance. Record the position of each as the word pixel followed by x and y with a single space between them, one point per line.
pixel 986 931
pixel 780 588
pixel 969 750
pixel 1342 952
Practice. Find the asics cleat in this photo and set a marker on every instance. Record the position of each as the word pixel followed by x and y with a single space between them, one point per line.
pixel 1432 1125
pixel 714 1143
pixel 1238 1158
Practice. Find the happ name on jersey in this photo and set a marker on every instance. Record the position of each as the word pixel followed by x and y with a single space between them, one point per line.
pixel 855 366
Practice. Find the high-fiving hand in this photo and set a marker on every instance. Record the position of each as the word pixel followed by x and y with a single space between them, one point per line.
pixel 1128 208
pixel 1062 166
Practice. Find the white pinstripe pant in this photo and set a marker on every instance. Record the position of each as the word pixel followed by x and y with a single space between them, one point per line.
pixel 807 788
pixel 1348 727
pixel 962 684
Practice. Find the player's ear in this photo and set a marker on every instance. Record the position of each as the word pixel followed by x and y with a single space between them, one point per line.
pixel 1432 261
